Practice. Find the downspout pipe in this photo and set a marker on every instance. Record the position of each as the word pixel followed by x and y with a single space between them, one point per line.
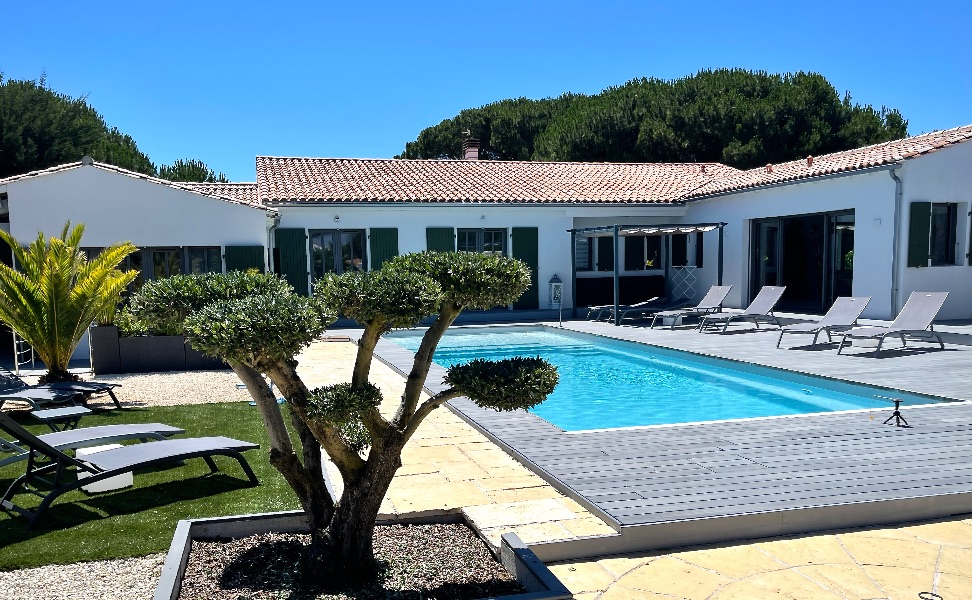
pixel 274 221
pixel 896 250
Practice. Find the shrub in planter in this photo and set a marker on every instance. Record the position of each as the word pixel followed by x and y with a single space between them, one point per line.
pixel 257 324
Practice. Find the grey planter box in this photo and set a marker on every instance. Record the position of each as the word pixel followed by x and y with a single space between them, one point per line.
pixel 111 353
pixel 523 564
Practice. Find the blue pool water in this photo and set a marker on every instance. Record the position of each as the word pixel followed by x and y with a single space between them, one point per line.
pixel 608 383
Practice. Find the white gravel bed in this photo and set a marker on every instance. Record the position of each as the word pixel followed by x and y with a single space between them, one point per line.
pixel 169 389
pixel 120 579
pixel 126 578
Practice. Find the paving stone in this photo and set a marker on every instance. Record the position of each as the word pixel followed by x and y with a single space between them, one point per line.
pixel 891 552
pixel 812 550
pixel 735 562
pixel 953 585
pixel 587 526
pixel 583 577
pixel 956 561
pixel 847 581
pixel 675 577
pixel 899 582
pixel 785 584
pixel 518 513
pixel 948 533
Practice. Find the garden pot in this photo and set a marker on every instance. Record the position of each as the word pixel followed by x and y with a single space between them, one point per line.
pixel 103 345
pixel 533 575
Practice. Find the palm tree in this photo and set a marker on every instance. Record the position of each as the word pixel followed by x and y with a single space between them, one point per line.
pixel 57 292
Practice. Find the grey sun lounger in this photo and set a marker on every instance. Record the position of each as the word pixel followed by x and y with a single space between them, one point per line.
pixel 81 389
pixel 51 473
pixel 914 322
pixel 646 311
pixel 36 398
pixel 842 316
pixel 600 311
pixel 89 436
pixel 710 303
pixel 761 309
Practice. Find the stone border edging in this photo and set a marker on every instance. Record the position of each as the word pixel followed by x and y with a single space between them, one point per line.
pixel 519 560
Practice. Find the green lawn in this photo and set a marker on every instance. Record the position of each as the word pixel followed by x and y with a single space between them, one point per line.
pixel 141 519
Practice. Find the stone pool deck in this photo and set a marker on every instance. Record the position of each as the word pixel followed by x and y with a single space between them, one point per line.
pixel 450 465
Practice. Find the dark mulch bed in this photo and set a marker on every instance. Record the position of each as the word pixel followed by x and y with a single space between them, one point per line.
pixel 418 562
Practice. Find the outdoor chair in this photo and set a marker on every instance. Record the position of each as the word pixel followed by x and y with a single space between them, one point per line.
pixel 599 311
pixel 14 388
pixel 88 436
pixel 647 311
pixel 842 316
pixel 51 473
pixel 710 303
pixel 914 322
pixel 85 389
pixel 761 309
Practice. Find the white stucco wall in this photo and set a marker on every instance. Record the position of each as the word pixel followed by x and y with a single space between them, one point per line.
pixel 116 207
pixel 870 195
pixel 943 176
pixel 553 223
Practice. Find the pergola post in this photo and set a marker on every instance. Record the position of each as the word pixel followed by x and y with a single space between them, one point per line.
pixel 617 276
pixel 573 274
pixel 720 256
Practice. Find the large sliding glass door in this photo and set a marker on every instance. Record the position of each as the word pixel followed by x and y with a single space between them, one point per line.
pixel 812 255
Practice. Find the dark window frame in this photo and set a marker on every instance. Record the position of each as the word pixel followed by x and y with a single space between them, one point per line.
pixel 641 264
pixel 207 257
pixel 479 236
pixel 337 258
pixel 942 240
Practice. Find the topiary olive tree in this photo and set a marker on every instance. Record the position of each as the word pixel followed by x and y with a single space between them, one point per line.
pixel 258 325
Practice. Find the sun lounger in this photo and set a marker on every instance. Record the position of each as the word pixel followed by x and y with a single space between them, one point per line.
pixel 51 473
pixel 600 311
pixel 914 322
pixel 85 389
pixel 842 316
pixel 73 439
pixel 761 309
pixel 647 311
pixel 36 398
pixel 710 303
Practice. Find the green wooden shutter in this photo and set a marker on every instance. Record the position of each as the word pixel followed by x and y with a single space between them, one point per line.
pixel 605 253
pixel 440 239
pixel 292 244
pixel 698 249
pixel 634 252
pixel 679 249
pixel 241 258
pixel 526 247
pixel 384 245
pixel 918 234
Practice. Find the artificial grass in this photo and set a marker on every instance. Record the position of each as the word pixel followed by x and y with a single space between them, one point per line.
pixel 141 519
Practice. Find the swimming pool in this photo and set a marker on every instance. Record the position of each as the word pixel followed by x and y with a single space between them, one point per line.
pixel 608 383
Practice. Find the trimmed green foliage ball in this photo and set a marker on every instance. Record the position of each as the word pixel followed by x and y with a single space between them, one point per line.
pixel 509 384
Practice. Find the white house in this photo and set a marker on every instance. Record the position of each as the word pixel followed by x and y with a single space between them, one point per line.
pixel 880 221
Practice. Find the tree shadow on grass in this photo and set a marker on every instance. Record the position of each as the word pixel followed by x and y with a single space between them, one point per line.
pixel 77 508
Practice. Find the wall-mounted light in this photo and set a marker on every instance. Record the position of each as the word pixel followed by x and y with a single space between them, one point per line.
pixel 337 218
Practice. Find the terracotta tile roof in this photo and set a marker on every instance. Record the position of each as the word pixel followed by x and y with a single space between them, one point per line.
pixel 244 192
pixel 240 193
pixel 886 153
pixel 289 180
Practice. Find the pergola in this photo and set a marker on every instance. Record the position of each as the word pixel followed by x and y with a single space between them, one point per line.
pixel 619 231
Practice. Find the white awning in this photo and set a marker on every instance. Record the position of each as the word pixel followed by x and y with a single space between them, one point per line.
pixel 652 230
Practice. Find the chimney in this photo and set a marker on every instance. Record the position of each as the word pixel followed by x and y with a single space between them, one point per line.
pixel 769 167
pixel 810 161
pixel 470 149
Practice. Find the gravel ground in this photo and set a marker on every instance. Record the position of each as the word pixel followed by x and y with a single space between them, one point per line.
pixel 444 562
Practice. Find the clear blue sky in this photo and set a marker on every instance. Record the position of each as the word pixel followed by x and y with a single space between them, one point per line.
pixel 226 81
